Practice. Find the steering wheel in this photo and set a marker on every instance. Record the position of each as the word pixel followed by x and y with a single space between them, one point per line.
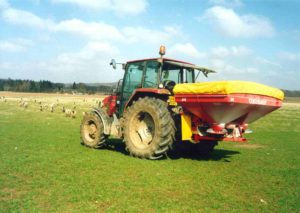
pixel 168 84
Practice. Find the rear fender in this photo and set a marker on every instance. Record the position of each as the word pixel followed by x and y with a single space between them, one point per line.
pixel 106 120
pixel 149 92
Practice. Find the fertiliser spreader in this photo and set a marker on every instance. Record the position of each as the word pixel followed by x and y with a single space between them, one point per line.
pixel 222 110
pixel 158 104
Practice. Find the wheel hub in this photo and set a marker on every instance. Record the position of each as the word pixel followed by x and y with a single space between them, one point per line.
pixel 143 130
pixel 90 130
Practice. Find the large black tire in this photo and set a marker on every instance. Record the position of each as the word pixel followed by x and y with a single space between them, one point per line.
pixel 149 129
pixel 92 131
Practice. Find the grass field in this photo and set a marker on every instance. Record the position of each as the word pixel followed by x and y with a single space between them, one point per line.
pixel 45 169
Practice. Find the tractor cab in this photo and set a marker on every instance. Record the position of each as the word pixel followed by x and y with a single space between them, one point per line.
pixel 153 75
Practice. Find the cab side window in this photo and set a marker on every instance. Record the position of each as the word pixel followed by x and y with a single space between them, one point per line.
pixel 133 77
pixel 150 79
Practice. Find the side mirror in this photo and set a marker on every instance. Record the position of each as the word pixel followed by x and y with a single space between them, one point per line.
pixel 113 63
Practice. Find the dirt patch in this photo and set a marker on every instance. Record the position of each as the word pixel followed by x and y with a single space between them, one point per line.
pixel 250 146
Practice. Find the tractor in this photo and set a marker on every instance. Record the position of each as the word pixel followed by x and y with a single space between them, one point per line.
pixel 158 106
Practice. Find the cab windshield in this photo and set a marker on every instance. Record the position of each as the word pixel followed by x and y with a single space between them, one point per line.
pixel 177 74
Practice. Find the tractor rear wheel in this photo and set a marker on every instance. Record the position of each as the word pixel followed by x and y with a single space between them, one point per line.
pixel 149 129
pixel 92 131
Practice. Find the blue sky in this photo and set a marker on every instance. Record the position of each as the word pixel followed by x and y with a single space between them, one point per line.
pixel 74 40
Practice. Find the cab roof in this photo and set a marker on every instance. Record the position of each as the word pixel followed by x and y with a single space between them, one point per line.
pixel 165 59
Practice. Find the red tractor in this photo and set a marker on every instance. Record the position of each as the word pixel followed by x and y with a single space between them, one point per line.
pixel 158 104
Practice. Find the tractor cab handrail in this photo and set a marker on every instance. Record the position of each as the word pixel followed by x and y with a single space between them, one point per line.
pixel 204 70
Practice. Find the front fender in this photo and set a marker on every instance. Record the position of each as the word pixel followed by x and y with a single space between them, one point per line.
pixel 106 120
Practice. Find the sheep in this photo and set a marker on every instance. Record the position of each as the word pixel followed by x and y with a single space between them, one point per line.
pixel 63 109
pixel 41 108
pixel 68 112
pixel 52 107
pixel 23 104
pixel 73 114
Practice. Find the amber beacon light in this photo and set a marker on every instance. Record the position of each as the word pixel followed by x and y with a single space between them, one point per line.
pixel 162 50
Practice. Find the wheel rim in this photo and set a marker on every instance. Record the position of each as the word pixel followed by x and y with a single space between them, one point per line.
pixel 142 131
pixel 90 129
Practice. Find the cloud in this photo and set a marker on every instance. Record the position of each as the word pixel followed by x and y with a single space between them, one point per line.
pixel 220 52
pixel 25 18
pixel 186 49
pixel 140 34
pixel 238 51
pixel 289 56
pixel 229 23
pixel 91 30
pixel 14 46
pixel 106 32
pixel 119 7
pixel 264 61
pixel 88 64
pixel 92 4
pixel 7 46
pixel 227 3
pixel 92 51
pixel 129 7
pixel 3 4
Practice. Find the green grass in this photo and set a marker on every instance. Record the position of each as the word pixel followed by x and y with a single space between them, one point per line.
pixel 44 169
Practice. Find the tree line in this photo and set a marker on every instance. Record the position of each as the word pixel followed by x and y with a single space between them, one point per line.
pixel 291 93
pixel 49 87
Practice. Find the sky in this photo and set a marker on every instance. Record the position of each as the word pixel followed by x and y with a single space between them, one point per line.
pixel 74 40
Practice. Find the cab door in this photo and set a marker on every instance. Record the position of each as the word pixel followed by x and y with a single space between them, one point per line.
pixel 132 80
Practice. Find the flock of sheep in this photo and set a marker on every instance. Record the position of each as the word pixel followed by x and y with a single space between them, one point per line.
pixel 52 107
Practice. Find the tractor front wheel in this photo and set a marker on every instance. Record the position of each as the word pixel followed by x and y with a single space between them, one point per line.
pixel 149 129
pixel 92 131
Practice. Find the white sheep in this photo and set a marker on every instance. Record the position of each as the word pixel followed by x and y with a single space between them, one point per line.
pixel 25 104
pixel 52 107
pixel 68 112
